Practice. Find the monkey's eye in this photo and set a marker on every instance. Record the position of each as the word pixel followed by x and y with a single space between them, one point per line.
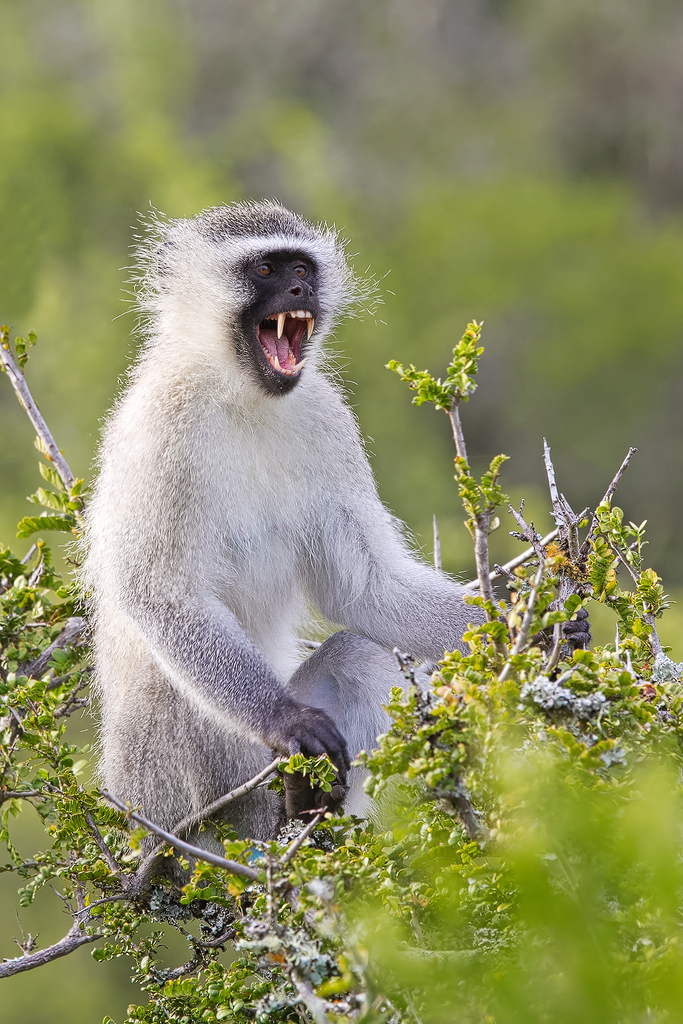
pixel 300 270
pixel 265 269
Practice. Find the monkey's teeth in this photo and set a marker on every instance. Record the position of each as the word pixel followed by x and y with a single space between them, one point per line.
pixel 299 366
pixel 276 363
pixel 281 317
pixel 310 324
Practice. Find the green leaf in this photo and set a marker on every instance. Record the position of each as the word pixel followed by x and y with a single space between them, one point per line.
pixel 32 524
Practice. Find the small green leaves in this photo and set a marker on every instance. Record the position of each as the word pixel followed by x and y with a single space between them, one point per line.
pixel 320 770
pixel 22 346
pixel 460 374
pixel 34 524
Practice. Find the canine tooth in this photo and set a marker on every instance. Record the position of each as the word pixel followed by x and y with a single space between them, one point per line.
pixel 295 369
pixel 310 324
pixel 276 363
pixel 281 317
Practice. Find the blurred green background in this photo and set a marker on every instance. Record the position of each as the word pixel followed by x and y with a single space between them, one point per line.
pixel 515 161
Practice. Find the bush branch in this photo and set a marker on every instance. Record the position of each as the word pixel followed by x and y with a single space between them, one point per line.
pixel 192 851
pixel 74 938
pixel 26 400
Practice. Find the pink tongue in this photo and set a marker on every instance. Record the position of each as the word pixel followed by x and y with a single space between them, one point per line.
pixel 283 352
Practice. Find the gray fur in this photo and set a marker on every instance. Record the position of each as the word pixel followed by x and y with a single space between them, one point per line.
pixel 220 516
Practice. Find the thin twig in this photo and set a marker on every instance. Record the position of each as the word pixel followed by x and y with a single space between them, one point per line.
pixel 303 835
pixel 73 628
pixel 18 382
pixel 550 473
pixel 29 554
pixel 528 533
pixel 558 640
pixel 523 633
pixel 206 812
pixel 17 794
pixel 74 938
pixel 458 434
pixel 104 849
pixel 437 546
pixel 508 567
pixel 192 851
pixel 607 497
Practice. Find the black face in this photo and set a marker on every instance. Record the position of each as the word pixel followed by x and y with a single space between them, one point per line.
pixel 278 323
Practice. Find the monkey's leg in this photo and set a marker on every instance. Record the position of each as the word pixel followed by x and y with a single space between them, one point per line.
pixel 350 678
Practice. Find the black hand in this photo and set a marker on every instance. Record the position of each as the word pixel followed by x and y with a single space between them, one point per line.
pixel 311 732
pixel 578 633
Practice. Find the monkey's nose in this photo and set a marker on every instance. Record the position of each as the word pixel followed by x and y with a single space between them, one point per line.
pixel 295 291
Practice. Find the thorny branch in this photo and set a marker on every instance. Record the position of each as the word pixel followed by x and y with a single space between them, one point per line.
pixel 508 567
pixel 195 819
pixel 76 936
pixel 18 382
pixel 481 522
pixel 437 546
pixel 73 628
pixel 192 851
pixel 607 497
pixel 523 634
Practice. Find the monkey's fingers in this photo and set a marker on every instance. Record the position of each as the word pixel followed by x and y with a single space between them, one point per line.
pixel 313 733
pixel 578 633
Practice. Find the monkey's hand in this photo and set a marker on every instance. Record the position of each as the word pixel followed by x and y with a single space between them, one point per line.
pixel 578 633
pixel 310 731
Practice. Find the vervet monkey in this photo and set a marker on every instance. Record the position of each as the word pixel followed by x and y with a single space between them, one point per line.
pixel 234 494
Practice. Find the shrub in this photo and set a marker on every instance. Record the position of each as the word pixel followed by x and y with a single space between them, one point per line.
pixel 524 860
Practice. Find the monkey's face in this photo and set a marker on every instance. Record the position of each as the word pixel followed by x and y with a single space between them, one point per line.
pixel 277 324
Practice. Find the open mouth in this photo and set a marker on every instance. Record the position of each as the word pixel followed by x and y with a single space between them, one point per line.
pixel 281 335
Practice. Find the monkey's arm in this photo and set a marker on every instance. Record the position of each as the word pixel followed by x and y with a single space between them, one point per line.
pixel 364 577
pixel 204 651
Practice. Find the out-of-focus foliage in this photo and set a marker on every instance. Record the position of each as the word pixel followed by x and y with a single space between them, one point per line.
pixel 523 863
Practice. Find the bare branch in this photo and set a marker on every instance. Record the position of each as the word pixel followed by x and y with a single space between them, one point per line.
pixel 194 819
pixel 300 839
pixel 508 567
pixel 29 554
pixel 18 382
pixel 437 546
pixel 206 812
pixel 458 434
pixel 550 473
pixel 104 849
pixel 607 497
pixel 192 851
pixel 523 634
pixel 528 533
pixel 73 628
pixel 74 938
pixel 500 570
pixel 18 794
